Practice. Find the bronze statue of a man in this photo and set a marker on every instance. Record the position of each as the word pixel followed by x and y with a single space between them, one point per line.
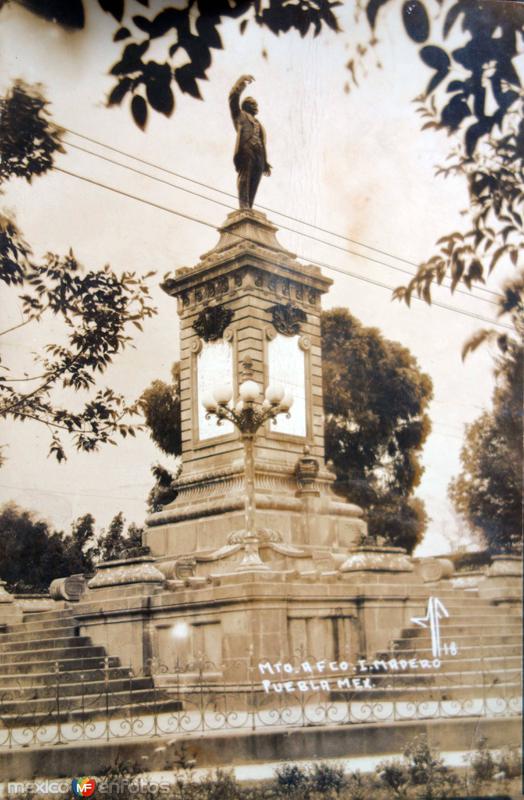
pixel 250 157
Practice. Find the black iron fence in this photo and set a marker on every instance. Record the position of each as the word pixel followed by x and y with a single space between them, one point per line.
pixel 111 702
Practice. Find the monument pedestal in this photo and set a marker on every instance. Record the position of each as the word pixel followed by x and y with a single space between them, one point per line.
pixel 250 310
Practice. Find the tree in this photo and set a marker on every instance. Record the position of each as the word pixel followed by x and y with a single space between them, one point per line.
pixel 375 402
pixel 31 555
pixel 488 490
pixel 160 403
pixel 97 308
pixel 80 546
pixel 495 178
pixel 114 543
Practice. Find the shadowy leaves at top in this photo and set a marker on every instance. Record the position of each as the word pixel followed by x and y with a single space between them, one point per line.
pixel 482 82
pixel 24 110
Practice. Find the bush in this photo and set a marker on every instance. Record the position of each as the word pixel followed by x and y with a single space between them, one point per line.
pixel 290 779
pixel 394 775
pixel 482 763
pixel 327 779
pixel 427 771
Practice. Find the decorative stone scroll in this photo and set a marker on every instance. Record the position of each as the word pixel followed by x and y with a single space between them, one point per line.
pixel 71 588
pixel 287 319
pixel 212 322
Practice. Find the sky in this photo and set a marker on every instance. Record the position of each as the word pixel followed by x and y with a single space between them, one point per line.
pixel 352 162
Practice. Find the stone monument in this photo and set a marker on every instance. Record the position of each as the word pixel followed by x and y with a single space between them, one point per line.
pixel 250 310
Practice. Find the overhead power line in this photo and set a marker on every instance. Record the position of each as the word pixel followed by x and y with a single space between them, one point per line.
pixel 283 227
pixel 265 208
pixel 316 262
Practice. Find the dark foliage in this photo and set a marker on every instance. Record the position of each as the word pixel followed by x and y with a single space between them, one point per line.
pixel 488 490
pixel 116 543
pixel 483 62
pixel 160 404
pixel 375 402
pixel 28 137
pixel 32 554
pixel 164 490
pixel 495 178
pixel 96 308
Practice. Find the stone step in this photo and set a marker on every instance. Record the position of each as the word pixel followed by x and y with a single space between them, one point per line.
pixel 109 717
pixel 76 686
pixel 38 679
pixel 65 663
pixel 490 641
pixel 46 616
pixel 35 646
pixel 34 635
pixel 488 616
pixel 48 709
pixel 464 651
pixel 52 654
pixel 452 628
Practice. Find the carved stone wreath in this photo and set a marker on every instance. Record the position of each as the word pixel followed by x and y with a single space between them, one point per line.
pixel 288 318
pixel 212 322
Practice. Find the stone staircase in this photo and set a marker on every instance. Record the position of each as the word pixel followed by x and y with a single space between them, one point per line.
pixel 49 674
pixel 481 659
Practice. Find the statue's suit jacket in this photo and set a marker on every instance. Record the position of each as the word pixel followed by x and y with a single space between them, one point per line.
pixel 245 124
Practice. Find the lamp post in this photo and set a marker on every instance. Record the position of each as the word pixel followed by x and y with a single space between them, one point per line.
pixel 247 415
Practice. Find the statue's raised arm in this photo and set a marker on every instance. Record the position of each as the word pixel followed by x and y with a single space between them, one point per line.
pixel 234 95
pixel 250 157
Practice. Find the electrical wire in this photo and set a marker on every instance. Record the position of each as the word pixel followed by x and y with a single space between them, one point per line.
pixel 282 227
pixel 264 208
pixel 315 262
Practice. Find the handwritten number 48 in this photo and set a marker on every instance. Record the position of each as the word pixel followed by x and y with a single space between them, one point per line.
pixel 450 649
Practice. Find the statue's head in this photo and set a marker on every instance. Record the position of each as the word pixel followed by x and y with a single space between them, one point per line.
pixel 250 105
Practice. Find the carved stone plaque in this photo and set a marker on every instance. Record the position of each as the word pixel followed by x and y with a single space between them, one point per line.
pixel 214 367
pixel 287 366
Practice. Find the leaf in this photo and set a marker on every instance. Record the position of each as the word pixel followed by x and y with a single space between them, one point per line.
pixel 186 81
pixel 122 33
pixel 476 340
pixel 416 20
pixel 372 9
pixel 142 23
pixel 131 60
pixel 451 17
pixel 455 112
pixel 474 132
pixel 113 7
pixel 496 255
pixel 69 14
pixel 158 89
pixel 119 91
pixel 437 59
pixel 139 111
